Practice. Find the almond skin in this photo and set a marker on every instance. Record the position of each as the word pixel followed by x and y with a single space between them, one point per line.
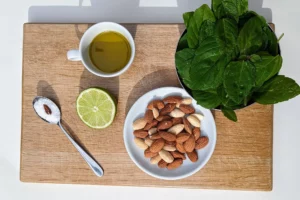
pixel 167 136
pixel 180 148
pixel 197 133
pixel 189 145
pixel 177 154
pixel 164 125
pixel 167 109
pixel 156 104
pixel 154 136
pixel 140 143
pixel 173 143
pixel 175 164
pixel 163 118
pixel 140 133
pixel 172 99
pixel 157 145
pixel 182 137
pixel 149 154
pixel 148 116
pixel 150 125
pixel 177 121
pixel 139 124
pixel 193 156
pixel 166 156
pixel 187 109
pixel 201 142
pixel 187 126
pixel 162 164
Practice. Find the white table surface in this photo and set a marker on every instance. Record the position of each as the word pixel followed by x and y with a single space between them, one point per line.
pixel 286 171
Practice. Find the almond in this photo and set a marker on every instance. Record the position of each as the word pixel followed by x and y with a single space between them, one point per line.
pixel 166 156
pixel 182 137
pixel 187 109
pixel 167 109
pixel 148 141
pixel 176 129
pixel 169 148
pixel 180 148
pixel 187 101
pixel 193 156
pixel 157 145
pixel 152 131
pixel 47 109
pixel 172 99
pixel 173 143
pixel 177 121
pixel 167 136
pixel 154 160
pixel 194 120
pixel 140 143
pixel 156 104
pixel 149 154
pixel 175 164
pixel 139 124
pixel 197 133
pixel 201 142
pixel 162 164
pixel 148 116
pixel 189 145
pixel 187 126
pixel 178 105
pixel 150 125
pixel 140 133
pixel 154 136
pixel 177 154
pixel 163 118
pixel 199 116
pixel 177 113
pixel 164 125
pixel 155 112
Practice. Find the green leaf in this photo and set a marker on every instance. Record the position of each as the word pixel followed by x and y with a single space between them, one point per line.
pixel 200 15
pixel 250 38
pixel 227 32
pixel 267 68
pixel 272 42
pixel 242 6
pixel 183 61
pixel 227 8
pixel 277 89
pixel 239 79
pixel 245 17
pixel 255 58
pixel 226 101
pixel 206 99
pixel 229 113
pixel 186 18
pixel 182 44
pixel 207 30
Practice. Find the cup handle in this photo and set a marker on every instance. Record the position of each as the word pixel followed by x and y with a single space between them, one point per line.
pixel 73 55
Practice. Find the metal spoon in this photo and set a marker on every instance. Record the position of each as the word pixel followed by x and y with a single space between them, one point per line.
pixel 56 119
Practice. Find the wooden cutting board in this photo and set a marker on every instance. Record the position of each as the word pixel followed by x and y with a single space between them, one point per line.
pixel 243 155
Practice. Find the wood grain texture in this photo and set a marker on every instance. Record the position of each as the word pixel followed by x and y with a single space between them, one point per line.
pixel 243 154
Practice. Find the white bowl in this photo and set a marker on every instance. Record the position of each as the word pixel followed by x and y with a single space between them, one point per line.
pixel 208 128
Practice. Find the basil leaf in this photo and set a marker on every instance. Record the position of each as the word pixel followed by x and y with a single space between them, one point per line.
pixel 229 113
pixel 182 44
pixel 227 32
pixel 207 30
pixel 250 37
pixel 226 101
pixel 255 58
pixel 245 17
pixel 267 68
pixel 186 18
pixel 277 89
pixel 206 99
pixel 239 79
pixel 200 15
pixel 183 61
pixel 272 46
pixel 227 8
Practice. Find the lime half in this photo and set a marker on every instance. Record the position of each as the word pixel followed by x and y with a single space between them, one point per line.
pixel 96 108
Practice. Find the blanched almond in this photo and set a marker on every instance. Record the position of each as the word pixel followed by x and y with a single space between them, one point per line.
pixel 166 156
pixel 199 116
pixel 176 129
pixel 154 160
pixel 148 141
pixel 194 120
pixel 187 101
pixel 140 143
pixel 177 113
pixel 139 124
pixel 152 131
pixel 169 148
pixel 155 113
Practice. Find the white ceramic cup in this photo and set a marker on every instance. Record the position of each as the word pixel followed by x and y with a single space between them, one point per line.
pixel 82 54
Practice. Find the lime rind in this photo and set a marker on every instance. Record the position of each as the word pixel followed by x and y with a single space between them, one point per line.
pixel 96 108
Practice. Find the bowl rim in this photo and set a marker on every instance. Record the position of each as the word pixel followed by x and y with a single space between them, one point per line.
pixel 199 167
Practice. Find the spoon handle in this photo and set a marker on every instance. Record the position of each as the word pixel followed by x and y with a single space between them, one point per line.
pixel 90 161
